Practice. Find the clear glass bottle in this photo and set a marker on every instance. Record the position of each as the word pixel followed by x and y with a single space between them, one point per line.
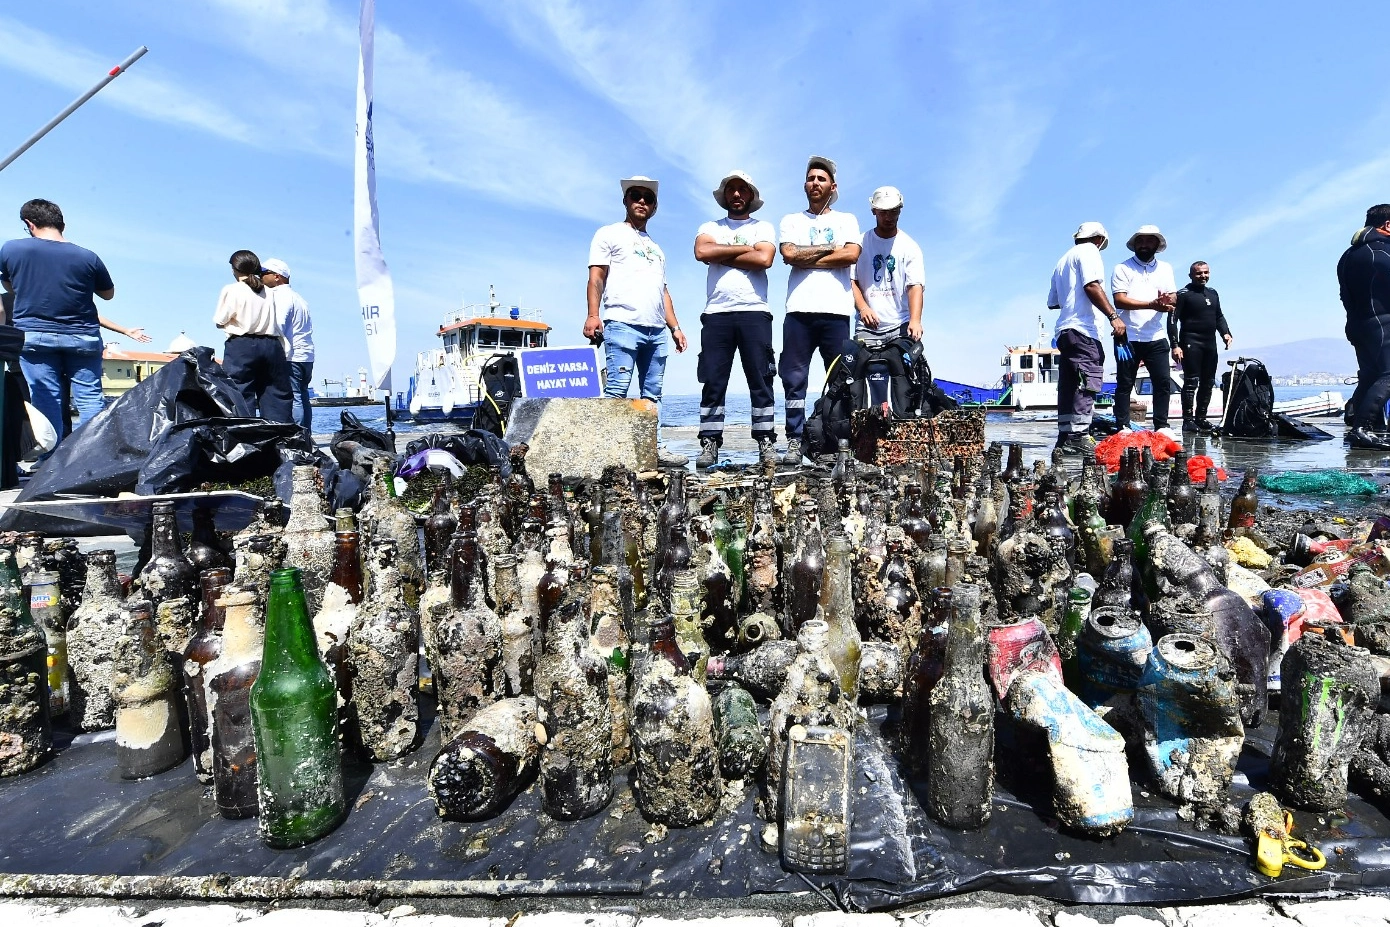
pixel 924 670
pixel 202 649
pixel 46 607
pixel 295 719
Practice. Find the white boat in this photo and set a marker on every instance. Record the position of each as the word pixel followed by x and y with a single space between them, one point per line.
pixel 1030 376
pixel 1327 402
pixel 447 385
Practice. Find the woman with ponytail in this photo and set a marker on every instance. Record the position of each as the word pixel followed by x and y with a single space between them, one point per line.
pixel 254 357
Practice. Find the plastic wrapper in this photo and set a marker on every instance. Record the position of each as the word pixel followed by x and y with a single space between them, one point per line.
pixel 1320 483
pixel 473 448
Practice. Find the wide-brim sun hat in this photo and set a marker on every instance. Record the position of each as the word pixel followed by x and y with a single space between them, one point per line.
pixel 828 166
pixel 886 198
pixel 1148 230
pixel 639 181
pixel 738 175
pixel 1092 230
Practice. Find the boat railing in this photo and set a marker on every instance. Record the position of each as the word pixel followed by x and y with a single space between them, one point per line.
pixel 490 310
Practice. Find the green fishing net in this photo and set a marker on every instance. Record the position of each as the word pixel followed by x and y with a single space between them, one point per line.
pixel 1320 483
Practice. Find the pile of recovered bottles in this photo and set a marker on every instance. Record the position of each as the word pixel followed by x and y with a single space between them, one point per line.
pixel 571 631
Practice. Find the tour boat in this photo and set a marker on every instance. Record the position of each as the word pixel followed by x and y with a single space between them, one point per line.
pixel 446 386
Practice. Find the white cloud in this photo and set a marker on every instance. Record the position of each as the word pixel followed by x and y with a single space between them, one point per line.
pixel 145 90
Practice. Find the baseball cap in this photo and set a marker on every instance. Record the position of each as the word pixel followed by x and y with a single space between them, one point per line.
pixel 638 180
pixel 276 266
pixel 828 166
pixel 886 198
pixel 1091 230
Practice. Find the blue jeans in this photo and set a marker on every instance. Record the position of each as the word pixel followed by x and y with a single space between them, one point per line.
pixel 51 360
pixel 301 374
pixel 634 347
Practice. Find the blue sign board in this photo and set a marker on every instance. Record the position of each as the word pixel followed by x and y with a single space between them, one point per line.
pixel 560 373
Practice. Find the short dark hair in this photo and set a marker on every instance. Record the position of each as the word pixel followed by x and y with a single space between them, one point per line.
pixel 1377 216
pixel 44 214
pixel 1195 264
pixel 246 264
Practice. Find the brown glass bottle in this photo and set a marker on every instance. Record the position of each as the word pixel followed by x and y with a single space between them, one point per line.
pixel 488 762
pixel 26 729
pixel 149 738
pixel 169 574
pixel 807 571
pixel 1182 498
pixel 1246 503
pixel 1013 470
pixel 439 531
pixel 204 549
pixel 230 677
pixel 202 649
pixel 334 620
pixel 762 670
pixel 924 670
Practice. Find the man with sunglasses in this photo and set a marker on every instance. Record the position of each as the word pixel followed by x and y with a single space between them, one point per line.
pixel 629 303
pixel 820 245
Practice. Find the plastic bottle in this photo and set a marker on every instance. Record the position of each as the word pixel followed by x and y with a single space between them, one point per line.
pixel 25 726
pixel 46 607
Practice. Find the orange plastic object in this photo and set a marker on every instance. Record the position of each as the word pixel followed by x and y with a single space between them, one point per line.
pixel 1197 469
pixel 1112 448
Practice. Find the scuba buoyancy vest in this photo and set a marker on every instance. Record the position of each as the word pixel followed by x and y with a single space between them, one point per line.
pixel 501 383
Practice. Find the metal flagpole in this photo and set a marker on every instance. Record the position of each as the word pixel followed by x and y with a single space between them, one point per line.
pixel 72 107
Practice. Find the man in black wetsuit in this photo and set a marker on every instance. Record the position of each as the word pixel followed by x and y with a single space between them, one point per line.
pixel 1198 312
pixel 1363 274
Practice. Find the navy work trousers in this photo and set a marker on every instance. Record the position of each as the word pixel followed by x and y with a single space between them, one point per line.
pixel 750 334
pixel 803 334
pixel 257 365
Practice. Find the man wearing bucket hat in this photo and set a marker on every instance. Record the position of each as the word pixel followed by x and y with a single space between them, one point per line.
pixel 739 250
pixel 628 301
pixel 1077 295
pixel 1145 292
pixel 887 281
pixel 820 245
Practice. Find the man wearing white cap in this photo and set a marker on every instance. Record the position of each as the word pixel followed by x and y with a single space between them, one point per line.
pixel 739 250
pixel 298 330
pixel 820 245
pixel 1077 295
pixel 1145 292
pixel 888 278
pixel 628 301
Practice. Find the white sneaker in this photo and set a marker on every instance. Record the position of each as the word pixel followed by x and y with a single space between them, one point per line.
pixel 1171 435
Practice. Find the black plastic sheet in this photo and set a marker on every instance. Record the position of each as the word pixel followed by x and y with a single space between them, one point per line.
pixel 75 815
pixel 474 447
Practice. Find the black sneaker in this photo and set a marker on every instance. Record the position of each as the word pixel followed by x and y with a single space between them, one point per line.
pixel 1189 424
pixel 1076 445
pixel 1205 427
pixel 1370 440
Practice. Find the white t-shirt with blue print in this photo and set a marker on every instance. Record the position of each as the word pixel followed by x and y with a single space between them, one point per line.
pixel 886 268
pixel 815 289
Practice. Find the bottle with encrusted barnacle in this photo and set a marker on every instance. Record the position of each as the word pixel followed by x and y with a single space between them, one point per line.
pixel 26 732
pixel 471 672
pixel 231 676
pixel 383 654
pixel 489 761
pixel 149 736
pixel 169 574
pixel 308 539
pixel 294 714
pixel 93 630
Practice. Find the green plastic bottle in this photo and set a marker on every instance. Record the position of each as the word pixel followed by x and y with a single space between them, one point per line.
pixel 294 711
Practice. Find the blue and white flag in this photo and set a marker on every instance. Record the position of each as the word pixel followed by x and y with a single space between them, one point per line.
pixel 375 294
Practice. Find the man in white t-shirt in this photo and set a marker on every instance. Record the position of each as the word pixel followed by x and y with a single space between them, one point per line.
pixel 1145 292
pixel 888 275
pixel 1077 295
pixel 820 245
pixel 628 301
pixel 739 250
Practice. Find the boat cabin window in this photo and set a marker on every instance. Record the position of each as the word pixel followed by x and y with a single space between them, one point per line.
pixel 512 338
pixel 1046 360
pixel 535 339
pixel 1025 362
pixel 487 337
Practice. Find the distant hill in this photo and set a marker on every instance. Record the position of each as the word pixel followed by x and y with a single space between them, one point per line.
pixel 1300 358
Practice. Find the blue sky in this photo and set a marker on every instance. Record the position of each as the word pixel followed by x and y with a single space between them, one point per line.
pixel 1255 135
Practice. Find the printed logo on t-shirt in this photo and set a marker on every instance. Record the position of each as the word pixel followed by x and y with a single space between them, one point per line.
pixel 647 252
pixel 882 263
pixel 827 233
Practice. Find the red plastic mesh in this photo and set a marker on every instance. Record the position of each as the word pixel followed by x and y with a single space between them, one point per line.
pixel 1112 448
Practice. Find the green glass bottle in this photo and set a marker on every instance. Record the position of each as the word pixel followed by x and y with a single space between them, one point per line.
pixel 1154 510
pixel 1078 609
pixel 294 710
pixel 26 731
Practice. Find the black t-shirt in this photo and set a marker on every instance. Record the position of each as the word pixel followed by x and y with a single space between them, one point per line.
pixel 1198 311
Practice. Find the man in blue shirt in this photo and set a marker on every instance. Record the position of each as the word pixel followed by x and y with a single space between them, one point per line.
pixel 53 281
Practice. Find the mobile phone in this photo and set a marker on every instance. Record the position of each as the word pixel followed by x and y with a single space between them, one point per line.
pixel 815 800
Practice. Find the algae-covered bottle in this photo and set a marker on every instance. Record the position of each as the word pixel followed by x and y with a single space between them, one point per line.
pixel 961 782
pixel 294 711
pixel 94 628
pixel 26 731
pixel 837 611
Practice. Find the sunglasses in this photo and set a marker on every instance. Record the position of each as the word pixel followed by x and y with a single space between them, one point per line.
pixel 637 194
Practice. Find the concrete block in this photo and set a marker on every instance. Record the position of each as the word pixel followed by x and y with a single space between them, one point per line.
pixel 579 437
pixel 1080 918
pixel 567 919
pixel 1358 911
pixel 839 919
pixel 440 920
pixel 211 915
pixel 291 917
pixel 1236 914
pixel 975 917
pixel 738 920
